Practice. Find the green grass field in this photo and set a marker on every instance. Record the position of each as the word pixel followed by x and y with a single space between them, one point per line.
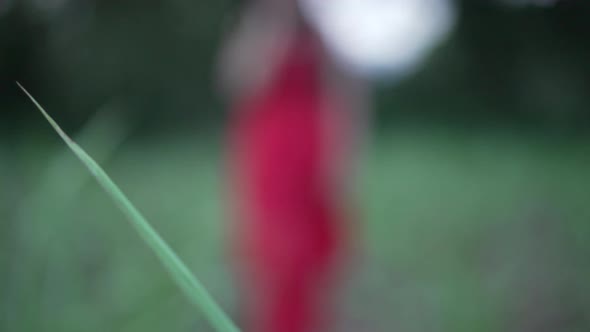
pixel 460 231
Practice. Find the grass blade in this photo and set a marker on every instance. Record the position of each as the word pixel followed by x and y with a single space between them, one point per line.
pixel 192 288
pixel 103 133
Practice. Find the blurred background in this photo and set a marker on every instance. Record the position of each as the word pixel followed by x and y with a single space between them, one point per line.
pixel 475 182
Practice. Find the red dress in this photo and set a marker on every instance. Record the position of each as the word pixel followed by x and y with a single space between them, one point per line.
pixel 284 154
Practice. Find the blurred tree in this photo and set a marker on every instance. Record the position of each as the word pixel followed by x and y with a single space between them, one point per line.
pixel 505 64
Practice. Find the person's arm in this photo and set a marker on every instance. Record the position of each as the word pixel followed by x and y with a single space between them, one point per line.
pixel 253 50
pixel 353 94
pixel 353 91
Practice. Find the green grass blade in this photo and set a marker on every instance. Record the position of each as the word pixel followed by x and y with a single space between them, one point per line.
pixel 103 133
pixel 177 269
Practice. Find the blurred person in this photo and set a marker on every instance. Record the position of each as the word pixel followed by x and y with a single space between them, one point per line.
pixel 291 133
pixel 294 72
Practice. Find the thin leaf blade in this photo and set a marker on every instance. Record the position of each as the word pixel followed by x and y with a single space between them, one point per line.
pixel 179 272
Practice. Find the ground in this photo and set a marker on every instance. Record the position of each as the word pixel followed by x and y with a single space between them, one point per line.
pixel 460 231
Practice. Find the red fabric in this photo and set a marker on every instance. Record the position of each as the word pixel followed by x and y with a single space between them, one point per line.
pixel 290 229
